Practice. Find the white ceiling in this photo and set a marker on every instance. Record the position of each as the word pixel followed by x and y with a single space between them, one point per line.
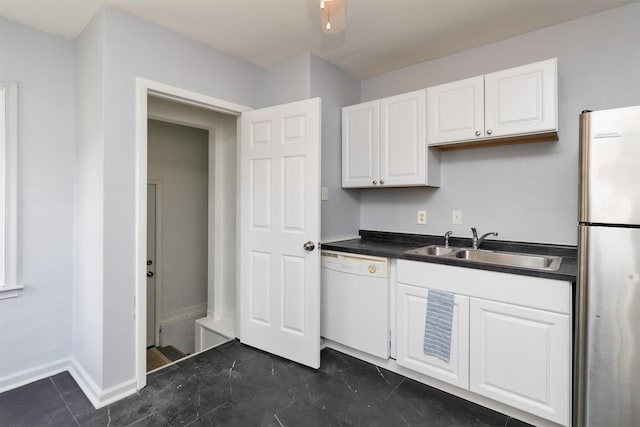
pixel 380 35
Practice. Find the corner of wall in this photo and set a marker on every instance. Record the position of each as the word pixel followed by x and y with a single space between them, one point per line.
pixel 96 395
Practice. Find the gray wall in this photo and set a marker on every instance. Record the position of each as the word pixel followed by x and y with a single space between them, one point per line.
pixel 288 81
pixel 341 213
pixel 529 191
pixel 178 156
pixel 136 48
pixel 35 327
pixel 89 201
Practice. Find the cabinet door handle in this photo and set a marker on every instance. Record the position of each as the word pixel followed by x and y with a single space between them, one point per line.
pixel 375 182
pixel 381 182
pixel 478 133
pixel 489 131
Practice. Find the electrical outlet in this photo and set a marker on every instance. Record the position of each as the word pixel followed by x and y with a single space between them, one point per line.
pixel 456 217
pixel 422 217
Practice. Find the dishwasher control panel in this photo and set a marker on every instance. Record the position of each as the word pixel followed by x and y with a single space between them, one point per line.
pixel 362 265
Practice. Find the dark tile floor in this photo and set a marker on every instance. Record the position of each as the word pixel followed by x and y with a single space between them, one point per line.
pixel 235 385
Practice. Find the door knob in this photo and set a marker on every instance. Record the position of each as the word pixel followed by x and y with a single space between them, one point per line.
pixel 309 246
pixel 149 273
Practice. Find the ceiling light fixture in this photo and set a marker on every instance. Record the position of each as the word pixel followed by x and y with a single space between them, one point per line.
pixel 332 16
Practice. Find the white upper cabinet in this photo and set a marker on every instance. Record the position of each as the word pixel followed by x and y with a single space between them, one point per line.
pixel 384 144
pixel 520 103
pixel 361 144
pixel 402 139
pixel 521 100
pixel 456 110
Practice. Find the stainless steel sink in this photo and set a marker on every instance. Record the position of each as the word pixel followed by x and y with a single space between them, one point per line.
pixel 510 259
pixel 433 250
pixel 539 262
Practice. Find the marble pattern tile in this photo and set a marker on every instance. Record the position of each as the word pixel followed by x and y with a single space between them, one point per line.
pixel 236 385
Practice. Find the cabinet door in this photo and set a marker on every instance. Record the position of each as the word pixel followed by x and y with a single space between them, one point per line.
pixel 521 100
pixel 360 145
pixel 522 357
pixel 402 140
pixel 456 111
pixel 411 312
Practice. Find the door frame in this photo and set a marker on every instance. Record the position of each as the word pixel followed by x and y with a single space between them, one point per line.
pixel 144 88
pixel 158 257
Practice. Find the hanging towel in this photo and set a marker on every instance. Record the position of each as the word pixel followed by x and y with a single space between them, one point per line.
pixel 437 325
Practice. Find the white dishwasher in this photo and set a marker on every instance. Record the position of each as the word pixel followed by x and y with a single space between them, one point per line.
pixel 355 301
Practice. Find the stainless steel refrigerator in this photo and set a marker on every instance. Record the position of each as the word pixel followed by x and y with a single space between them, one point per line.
pixel 607 350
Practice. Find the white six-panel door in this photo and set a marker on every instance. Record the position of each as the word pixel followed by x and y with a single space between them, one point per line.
pixel 279 213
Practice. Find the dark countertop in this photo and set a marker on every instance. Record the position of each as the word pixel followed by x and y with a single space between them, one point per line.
pixel 395 245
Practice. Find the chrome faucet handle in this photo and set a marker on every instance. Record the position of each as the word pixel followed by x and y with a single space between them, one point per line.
pixel 446 238
pixel 475 233
pixel 479 241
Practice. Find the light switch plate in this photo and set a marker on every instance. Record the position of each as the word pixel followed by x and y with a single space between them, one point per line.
pixel 324 193
pixel 456 216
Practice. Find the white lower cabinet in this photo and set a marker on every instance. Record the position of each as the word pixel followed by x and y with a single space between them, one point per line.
pixel 511 341
pixel 520 356
pixel 412 310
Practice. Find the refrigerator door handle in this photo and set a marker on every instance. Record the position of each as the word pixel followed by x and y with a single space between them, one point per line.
pixel 581 334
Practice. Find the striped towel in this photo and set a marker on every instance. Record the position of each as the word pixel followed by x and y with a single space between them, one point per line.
pixel 437 325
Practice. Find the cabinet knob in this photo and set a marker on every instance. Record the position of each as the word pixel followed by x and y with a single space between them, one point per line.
pixel 489 131
pixel 372 268
pixel 381 181
pixel 478 133
pixel 375 182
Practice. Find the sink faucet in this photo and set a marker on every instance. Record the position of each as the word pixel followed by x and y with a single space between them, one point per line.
pixel 446 238
pixel 475 242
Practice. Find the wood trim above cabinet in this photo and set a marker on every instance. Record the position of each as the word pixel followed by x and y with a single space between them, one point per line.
pixel 494 142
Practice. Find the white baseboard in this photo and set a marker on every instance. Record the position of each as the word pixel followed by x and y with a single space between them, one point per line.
pixel 95 394
pixel 27 376
pixel 98 397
